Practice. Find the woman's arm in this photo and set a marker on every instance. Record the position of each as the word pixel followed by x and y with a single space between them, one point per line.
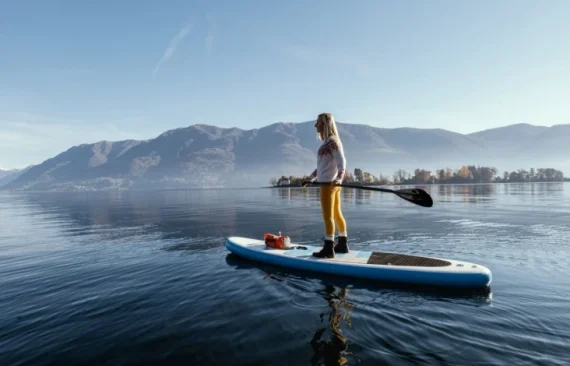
pixel 313 175
pixel 338 153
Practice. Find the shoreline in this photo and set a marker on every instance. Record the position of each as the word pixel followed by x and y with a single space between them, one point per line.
pixel 566 180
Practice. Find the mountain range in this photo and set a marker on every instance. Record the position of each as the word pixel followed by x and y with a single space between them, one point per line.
pixel 201 155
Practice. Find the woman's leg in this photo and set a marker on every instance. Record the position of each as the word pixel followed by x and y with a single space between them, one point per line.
pixel 338 217
pixel 327 207
pixel 342 246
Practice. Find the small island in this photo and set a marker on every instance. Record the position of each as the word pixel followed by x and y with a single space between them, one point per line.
pixel 465 175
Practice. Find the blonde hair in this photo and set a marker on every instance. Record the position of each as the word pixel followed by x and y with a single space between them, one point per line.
pixel 329 129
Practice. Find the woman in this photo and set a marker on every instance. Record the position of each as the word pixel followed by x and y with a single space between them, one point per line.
pixel 331 166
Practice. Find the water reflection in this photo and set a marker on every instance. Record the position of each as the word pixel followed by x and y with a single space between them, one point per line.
pixel 494 189
pixel 329 344
pixel 467 190
pixel 467 193
pixel 534 189
pixel 332 350
pixel 485 193
pixel 172 215
pixel 348 195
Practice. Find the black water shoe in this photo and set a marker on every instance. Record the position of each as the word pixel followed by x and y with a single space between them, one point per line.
pixel 327 251
pixel 342 245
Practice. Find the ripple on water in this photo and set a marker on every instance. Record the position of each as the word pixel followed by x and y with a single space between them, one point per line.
pixel 393 332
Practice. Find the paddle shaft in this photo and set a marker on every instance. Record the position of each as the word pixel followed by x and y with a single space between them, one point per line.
pixel 415 195
pixel 356 186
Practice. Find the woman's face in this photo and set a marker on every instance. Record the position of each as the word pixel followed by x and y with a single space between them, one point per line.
pixel 320 125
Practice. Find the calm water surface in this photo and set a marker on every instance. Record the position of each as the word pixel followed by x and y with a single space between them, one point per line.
pixel 144 278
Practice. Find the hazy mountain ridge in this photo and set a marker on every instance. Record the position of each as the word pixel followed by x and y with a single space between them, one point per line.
pixel 531 143
pixel 8 176
pixel 209 156
pixel 7 172
pixel 524 132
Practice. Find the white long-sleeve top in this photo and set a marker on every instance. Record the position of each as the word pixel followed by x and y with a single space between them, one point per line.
pixel 331 162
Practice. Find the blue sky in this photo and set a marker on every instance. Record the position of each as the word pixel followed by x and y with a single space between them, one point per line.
pixel 82 71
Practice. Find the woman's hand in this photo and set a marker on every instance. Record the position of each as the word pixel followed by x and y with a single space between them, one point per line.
pixel 336 182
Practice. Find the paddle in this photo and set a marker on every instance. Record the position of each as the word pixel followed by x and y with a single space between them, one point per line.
pixel 413 195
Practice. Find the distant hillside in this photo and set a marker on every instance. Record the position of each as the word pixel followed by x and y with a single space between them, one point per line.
pixel 5 173
pixel 209 156
pixel 513 134
pixel 527 145
pixel 8 176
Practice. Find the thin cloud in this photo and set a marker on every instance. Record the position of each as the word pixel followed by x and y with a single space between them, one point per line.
pixel 182 33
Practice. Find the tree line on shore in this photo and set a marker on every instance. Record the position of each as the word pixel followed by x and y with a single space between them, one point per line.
pixel 465 174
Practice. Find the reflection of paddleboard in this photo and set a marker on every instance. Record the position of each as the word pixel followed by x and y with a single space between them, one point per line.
pixel 372 265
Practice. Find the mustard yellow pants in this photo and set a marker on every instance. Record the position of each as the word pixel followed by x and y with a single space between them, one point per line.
pixel 332 213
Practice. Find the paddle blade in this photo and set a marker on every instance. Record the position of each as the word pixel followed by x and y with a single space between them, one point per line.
pixel 415 195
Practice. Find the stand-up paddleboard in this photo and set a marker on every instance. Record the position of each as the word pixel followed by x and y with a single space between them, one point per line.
pixel 391 267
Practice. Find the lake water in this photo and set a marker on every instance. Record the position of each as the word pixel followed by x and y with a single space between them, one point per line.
pixel 143 277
